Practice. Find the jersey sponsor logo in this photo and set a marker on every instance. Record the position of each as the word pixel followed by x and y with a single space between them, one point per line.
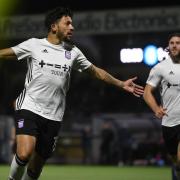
pixel 172 85
pixel 20 123
pixel 42 63
pixel 168 85
pixel 65 67
pixel 68 54
pixel 57 73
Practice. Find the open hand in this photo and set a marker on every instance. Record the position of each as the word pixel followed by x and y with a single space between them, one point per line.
pixel 133 88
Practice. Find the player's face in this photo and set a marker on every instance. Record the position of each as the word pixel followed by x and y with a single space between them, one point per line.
pixel 64 28
pixel 174 46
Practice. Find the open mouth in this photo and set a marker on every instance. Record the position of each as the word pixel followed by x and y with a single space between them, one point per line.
pixel 70 34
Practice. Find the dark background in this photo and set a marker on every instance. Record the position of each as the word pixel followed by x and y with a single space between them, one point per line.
pixel 89 101
pixel 20 7
pixel 87 95
pixel 40 6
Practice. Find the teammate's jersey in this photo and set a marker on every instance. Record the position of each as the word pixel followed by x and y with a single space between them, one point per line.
pixel 48 76
pixel 167 74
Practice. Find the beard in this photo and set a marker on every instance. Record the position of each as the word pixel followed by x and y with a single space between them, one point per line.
pixel 175 58
pixel 63 38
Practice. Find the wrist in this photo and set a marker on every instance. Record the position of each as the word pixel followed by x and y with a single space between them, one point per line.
pixel 155 109
pixel 122 84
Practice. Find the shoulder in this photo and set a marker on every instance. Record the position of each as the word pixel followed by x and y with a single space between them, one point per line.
pixel 77 50
pixel 161 67
pixel 32 40
pixel 69 46
pixel 37 40
pixel 164 63
pixel 157 68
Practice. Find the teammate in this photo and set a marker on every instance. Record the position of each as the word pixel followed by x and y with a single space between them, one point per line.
pixel 40 107
pixel 166 75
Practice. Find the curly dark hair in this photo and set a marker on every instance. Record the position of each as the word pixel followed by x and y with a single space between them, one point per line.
pixel 176 34
pixel 53 15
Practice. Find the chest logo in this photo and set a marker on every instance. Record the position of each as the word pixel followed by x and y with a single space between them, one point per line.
pixel 66 68
pixel 45 51
pixel 171 73
pixel 68 54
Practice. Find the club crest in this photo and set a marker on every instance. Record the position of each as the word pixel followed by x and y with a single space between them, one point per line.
pixel 68 54
pixel 20 123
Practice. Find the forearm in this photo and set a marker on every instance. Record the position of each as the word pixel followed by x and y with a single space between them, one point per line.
pixel 7 53
pixel 105 76
pixel 151 101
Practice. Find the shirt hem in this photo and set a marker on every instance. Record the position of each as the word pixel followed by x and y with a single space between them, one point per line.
pixel 43 115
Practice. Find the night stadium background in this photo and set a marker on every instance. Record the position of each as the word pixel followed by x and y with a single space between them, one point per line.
pixel 90 103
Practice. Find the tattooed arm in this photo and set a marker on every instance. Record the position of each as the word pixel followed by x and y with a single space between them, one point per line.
pixel 127 85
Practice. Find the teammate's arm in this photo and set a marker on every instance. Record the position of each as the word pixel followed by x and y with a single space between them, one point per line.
pixel 127 85
pixel 7 53
pixel 152 103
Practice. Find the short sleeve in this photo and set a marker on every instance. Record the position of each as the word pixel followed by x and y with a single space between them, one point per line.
pixel 81 63
pixel 154 76
pixel 23 50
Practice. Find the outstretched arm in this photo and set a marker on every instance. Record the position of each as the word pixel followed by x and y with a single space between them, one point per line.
pixel 127 85
pixel 152 103
pixel 7 53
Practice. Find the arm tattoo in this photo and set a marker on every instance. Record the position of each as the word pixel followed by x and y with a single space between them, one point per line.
pixel 103 75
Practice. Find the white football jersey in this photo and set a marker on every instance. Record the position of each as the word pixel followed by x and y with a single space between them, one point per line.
pixel 167 75
pixel 48 76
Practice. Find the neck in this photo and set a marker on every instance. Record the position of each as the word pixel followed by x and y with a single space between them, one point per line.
pixel 176 60
pixel 52 38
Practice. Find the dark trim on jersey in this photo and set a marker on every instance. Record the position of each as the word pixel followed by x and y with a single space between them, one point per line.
pixel 20 99
pixel 29 73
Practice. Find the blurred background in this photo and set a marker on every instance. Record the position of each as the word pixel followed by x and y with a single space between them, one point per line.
pixel 102 125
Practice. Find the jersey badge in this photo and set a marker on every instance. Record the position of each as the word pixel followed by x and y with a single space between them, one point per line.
pixel 68 54
pixel 20 123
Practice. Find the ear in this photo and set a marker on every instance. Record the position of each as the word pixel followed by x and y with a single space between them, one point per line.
pixel 53 27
